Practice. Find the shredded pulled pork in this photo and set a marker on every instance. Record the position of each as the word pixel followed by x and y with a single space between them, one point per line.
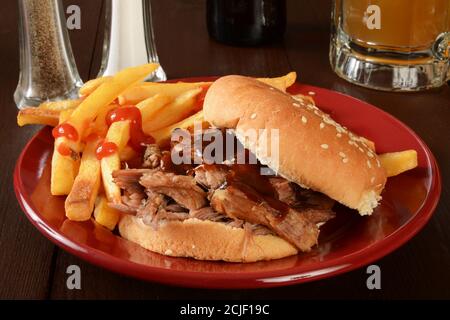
pixel 293 226
pixel 182 189
pixel 152 156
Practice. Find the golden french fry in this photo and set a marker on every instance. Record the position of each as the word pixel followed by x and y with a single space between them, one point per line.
pixel 64 168
pixel 38 116
pixel 281 83
pixel 146 90
pixel 86 112
pixel 163 135
pixel 93 84
pixel 119 134
pixel 397 162
pixel 173 112
pixel 60 105
pixel 151 106
pixel 105 215
pixel 80 201
pixel 99 126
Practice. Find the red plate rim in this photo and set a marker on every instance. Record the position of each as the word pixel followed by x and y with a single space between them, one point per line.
pixel 258 279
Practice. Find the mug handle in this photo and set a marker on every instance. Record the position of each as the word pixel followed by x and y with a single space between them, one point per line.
pixel 441 50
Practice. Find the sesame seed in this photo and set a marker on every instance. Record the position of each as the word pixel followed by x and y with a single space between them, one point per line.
pixel 361 149
pixel 378 163
pixel 296 105
pixel 341 154
pixel 369 164
pixel 311 93
pixel 339 135
pixel 324 146
pixel 317 113
pixel 345 160
pixel 372 180
pixel 304 119
pixel 253 116
pixel 369 154
pixel 271 88
pixel 322 125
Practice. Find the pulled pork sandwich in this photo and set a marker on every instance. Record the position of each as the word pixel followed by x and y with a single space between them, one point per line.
pixel 230 211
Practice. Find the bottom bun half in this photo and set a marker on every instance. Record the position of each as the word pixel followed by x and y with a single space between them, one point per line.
pixel 204 240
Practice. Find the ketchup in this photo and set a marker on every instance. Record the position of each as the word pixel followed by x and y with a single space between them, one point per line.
pixel 64 150
pixel 65 130
pixel 105 149
pixel 137 136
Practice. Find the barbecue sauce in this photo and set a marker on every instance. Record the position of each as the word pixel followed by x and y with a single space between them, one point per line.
pixel 168 166
pixel 248 179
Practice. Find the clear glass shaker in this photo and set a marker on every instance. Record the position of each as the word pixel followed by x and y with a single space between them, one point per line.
pixel 129 38
pixel 47 66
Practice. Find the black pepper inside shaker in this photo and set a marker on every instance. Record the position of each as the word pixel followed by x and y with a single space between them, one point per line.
pixel 246 22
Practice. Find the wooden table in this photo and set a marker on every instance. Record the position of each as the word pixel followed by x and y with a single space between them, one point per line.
pixel 32 267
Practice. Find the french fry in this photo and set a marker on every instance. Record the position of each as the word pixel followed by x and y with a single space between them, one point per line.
pixel 93 84
pixel 119 134
pixel 163 135
pixel 64 168
pixel 86 112
pixel 146 90
pixel 281 83
pixel 34 115
pixel 80 201
pixel 99 126
pixel 60 105
pixel 150 106
pixel 105 215
pixel 397 162
pixel 143 91
pixel 173 112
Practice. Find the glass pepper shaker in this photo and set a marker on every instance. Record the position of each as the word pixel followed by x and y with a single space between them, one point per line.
pixel 47 66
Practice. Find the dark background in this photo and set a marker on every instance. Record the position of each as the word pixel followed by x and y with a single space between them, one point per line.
pixel 32 267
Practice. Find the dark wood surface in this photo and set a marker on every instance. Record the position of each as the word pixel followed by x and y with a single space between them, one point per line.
pixel 32 267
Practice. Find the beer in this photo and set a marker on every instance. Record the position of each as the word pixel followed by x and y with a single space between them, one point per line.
pixel 408 25
pixel 394 45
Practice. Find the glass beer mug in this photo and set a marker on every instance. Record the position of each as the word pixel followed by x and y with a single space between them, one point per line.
pixel 394 45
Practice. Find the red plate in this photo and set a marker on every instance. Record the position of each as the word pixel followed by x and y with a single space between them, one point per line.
pixel 346 243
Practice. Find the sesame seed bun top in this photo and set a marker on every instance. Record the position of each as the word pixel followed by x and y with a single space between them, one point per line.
pixel 314 150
